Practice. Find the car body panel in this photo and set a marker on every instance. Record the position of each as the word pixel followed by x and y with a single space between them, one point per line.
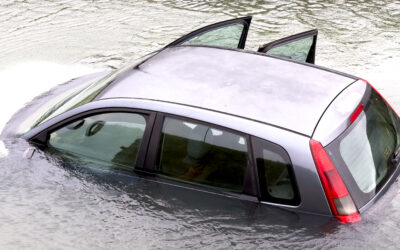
pixel 296 145
pixel 206 203
pixel 336 118
pixel 279 92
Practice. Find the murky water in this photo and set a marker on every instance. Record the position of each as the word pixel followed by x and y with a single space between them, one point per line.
pixel 44 205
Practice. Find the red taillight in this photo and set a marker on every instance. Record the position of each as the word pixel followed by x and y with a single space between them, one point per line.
pixel 380 95
pixel 356 113
pixel 339 199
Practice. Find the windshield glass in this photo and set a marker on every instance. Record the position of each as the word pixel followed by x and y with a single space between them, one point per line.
pixel 86 94
pixel 34 117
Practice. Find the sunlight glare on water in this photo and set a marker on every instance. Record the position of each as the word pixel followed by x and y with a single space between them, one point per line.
pixel 26 80
pixel 46 205
pixel 3 150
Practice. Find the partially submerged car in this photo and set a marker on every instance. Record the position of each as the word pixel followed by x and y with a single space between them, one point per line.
pixel 204 114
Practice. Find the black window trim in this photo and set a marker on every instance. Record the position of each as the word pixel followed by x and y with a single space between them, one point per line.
pixel 250 182
pixel 40 140
pixel 246 21
pixel 264 197
pixel 289 39
pixel 148 153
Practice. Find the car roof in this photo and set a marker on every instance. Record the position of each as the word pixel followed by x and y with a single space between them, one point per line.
pixel 279 92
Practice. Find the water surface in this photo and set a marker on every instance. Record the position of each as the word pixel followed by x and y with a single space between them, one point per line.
pixel 45 205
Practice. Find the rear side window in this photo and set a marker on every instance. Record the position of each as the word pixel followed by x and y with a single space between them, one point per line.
pixel 367 148
pixel 202 154
pixel 276 177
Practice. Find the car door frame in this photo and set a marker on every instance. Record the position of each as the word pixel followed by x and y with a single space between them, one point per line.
pixel 250 189
pixel 41 138
pixel 149 149
pixel 311 54
pixel 246 21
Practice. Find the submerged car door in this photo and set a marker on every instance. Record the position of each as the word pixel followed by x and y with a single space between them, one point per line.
pixel 228 34
pixel 106 139
pixel 299 47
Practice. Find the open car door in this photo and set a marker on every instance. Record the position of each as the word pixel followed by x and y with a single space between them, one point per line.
pixel 300 47
pixel 228 34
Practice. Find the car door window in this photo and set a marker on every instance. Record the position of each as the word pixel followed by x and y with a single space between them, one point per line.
pixel 202 154
pixel 228 34
pixel 223 37
pixel 276 177
pixel 112 138
pixel 300 47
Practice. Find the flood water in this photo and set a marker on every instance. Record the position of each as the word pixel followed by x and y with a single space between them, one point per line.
pixel 45 205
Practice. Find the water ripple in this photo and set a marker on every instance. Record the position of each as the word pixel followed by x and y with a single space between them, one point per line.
pixel 46 205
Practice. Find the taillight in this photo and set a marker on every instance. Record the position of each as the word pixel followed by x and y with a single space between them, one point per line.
pixel 380 95
pixel 339 199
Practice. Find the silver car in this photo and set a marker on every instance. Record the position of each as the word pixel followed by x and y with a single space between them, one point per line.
pixel 203 114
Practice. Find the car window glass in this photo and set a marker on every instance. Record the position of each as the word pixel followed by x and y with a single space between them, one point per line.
pixel 275 173
pixel 277 176
pixel 227 36
pixel 297 50
pixel 110 138
pixel 86 94
pixel 197 153
pixel 369 146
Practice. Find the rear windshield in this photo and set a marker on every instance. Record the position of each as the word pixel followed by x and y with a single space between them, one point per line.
pixel 365 151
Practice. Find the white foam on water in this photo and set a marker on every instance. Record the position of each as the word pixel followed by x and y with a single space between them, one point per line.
pixel 21 82
pixel 3 150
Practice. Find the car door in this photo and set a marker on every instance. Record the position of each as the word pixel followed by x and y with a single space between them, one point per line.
pixel 299 47
pixel 197 155
pixel 229 34
pixel 108 139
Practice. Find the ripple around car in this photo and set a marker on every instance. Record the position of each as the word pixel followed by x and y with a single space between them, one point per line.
pixel 204 114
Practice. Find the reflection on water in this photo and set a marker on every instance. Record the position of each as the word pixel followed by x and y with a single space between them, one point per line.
pixel 44 204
